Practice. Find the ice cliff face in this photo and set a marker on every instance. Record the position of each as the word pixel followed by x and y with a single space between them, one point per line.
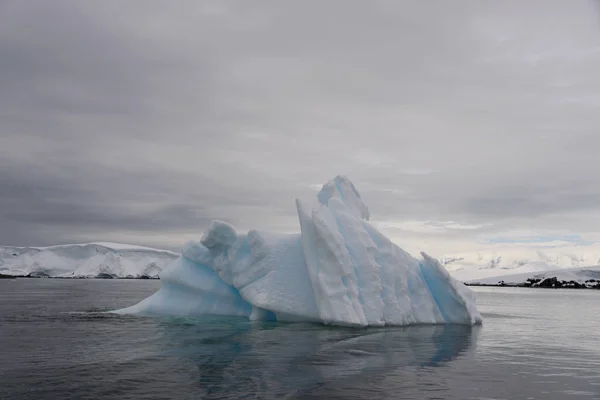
pixel 90 260
pixel 339 270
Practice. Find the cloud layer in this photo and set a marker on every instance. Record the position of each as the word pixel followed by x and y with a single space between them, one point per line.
pixel 140 121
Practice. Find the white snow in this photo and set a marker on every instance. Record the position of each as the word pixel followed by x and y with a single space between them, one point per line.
pixel 339 270
pixel 110 245
pixel 84 260
pixel 341 188
pixel 579 275
pixel 512 261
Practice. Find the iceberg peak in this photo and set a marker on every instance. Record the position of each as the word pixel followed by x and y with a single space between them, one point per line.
pixel 343 189
pixel 338 270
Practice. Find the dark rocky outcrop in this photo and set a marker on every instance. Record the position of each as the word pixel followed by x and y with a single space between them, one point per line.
pixel 104 275
pixel 532 281
pixel 550 283
pixel 38 274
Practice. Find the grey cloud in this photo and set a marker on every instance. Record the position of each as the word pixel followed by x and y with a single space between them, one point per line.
pixel 142 117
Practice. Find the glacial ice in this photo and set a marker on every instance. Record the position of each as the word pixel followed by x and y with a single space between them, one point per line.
pixel 339 270
pixel 87 260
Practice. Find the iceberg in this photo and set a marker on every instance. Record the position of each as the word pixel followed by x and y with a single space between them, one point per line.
pixel 339 270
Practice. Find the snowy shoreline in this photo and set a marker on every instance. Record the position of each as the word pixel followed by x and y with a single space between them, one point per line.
pixel 89 260
pixel 103 260
pixel 562 284
pixel 528 286
pixel 3 276
pixel 566 278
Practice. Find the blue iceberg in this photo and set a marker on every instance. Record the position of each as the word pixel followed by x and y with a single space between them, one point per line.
pixel 339 270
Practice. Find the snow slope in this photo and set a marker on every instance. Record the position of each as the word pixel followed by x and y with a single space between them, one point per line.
pixel 84 260
pixel 479 265
pixel 339 270
pixel 579 275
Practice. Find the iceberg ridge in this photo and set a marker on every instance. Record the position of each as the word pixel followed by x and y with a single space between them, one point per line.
pixel 339 270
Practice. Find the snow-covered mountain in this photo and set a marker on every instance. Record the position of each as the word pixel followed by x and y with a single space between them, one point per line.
pixel 588 276
pixel 88 260
pixel 103 259
pixel 479 265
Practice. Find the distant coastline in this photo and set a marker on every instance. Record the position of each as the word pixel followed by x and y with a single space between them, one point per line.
pixel 3 276
pixel 547 283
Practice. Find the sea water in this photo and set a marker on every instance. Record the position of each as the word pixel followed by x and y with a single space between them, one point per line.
pixel 56 342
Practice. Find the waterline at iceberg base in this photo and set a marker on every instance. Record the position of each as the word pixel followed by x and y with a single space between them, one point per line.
pixel 339 270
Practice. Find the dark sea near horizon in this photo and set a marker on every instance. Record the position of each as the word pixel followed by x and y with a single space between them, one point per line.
pixel 57 343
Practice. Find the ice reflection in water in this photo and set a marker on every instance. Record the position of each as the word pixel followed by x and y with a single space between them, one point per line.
pixel 271 359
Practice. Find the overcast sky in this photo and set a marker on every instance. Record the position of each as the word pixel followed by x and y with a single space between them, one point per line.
pixel 463 124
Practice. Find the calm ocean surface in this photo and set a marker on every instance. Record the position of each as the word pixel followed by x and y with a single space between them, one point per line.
pixel 56 344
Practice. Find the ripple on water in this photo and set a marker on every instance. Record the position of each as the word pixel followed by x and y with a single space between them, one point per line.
pixel 60 343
